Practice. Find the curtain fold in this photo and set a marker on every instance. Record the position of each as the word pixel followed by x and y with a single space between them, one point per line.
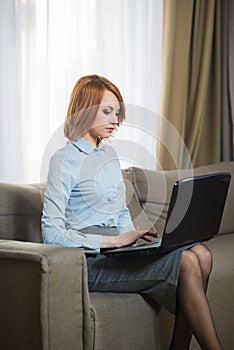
pixel 228 80
pixel 191 83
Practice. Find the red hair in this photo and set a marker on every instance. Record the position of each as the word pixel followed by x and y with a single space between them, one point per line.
pixel 85 99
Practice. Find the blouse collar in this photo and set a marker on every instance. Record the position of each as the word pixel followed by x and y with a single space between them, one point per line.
pixel 85 146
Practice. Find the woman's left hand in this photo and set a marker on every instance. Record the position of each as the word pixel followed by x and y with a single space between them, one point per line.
pixel 150 236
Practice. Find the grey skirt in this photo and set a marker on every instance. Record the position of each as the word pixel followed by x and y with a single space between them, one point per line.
pixel 153 276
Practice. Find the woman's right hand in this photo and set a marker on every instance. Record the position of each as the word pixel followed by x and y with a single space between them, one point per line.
pixel 125 239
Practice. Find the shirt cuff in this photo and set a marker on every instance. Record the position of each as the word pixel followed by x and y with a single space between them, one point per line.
pixel 92 243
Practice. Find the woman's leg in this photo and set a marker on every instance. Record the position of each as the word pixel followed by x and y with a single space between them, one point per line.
pixel 193 312
pixel 205 261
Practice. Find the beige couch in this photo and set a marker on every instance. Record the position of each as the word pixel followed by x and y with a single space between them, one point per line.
pixel 44 299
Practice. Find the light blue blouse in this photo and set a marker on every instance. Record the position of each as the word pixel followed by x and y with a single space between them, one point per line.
pixel 84 188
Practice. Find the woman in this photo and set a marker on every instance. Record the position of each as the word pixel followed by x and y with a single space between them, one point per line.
pixel 85 207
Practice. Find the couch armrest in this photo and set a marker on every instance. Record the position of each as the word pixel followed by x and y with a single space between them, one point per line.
pixel 44 299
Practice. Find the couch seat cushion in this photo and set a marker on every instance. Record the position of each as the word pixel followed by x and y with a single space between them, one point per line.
pixel 123 321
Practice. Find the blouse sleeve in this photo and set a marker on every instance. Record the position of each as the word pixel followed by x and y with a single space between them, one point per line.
pixel 62 178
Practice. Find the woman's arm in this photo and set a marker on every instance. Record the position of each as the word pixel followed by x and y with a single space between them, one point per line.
pixel 62 178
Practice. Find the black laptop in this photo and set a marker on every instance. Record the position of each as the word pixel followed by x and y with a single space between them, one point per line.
pixel 194 215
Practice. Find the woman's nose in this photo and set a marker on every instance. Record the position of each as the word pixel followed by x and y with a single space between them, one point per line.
pixel 113 118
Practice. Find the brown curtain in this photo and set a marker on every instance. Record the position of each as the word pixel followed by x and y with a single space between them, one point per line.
pixel 191 84
pixel 228 79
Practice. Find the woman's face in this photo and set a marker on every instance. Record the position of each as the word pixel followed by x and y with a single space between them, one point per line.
pixel 106 120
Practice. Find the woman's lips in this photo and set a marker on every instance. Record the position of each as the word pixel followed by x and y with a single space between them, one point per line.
pixel 109 129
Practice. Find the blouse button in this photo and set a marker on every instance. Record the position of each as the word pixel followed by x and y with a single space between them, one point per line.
pixel 113 196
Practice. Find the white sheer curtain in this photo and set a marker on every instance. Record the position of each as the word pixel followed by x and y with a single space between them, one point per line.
pixel 45 46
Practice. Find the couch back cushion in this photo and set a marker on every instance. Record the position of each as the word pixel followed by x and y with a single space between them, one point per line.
pixel 20 211
pixel 147 193
pixel 138 215
pixel 153 189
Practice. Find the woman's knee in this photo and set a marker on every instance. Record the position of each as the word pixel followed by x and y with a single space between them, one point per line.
pixel 190 265
pixel 205 258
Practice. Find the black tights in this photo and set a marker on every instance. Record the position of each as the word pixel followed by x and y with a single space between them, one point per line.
pixel 193 315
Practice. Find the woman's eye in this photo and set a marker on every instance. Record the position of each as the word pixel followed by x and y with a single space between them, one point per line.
pixel 106 111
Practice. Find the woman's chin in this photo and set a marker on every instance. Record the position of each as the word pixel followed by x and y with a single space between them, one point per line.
pixel 106 135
